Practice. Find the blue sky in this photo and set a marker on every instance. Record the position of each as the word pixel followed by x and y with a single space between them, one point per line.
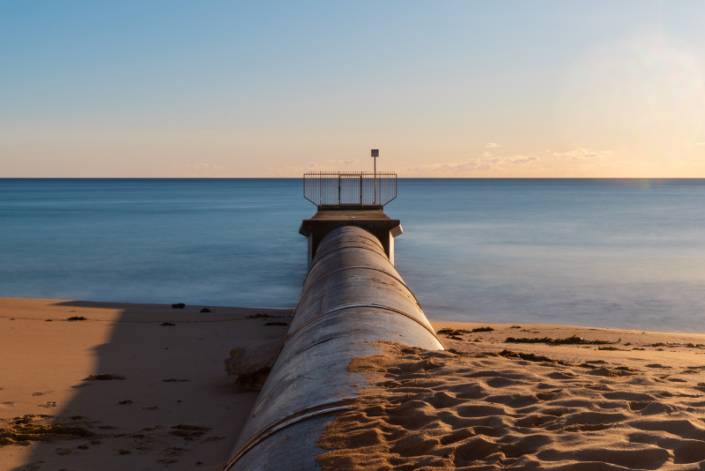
pixel 255 89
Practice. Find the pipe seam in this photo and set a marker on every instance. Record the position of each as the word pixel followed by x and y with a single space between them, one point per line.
pixel 351 268
pixel 286 421
pixel 375 306
pixel 326 254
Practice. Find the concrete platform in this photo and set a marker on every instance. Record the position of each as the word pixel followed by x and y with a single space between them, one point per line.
pixel 374 221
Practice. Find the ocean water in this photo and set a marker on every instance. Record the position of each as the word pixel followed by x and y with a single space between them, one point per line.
pixel 606 253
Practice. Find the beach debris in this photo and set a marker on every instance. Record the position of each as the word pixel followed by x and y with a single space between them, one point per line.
pixel 451 331
pixel 126 401
pixel 613 349
pixel 104 377
pixel 689 372
pixel 178 306
pixel 174 380
pixel 76 318
pixel 252 363
pixel 63 451
pixel 572 340
pixel 37 428
pixel 168 324
pixel 275 323
pixel 167 461
pixel 673 344
pixel 483 329
pixel 49 320
pixel 656 365
pixel 188 432
pixel 260 315
pixel 515 327
pixel 48 404
pixel 205 309
pixel 122 451
pixel 83 447
pixel 532 357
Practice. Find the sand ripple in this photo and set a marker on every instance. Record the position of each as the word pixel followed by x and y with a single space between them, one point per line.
pixel 482 411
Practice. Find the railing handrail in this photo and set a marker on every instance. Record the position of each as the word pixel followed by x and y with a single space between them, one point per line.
pixel 344 188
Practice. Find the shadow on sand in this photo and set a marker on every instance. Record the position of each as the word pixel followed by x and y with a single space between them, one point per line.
pixel 175 407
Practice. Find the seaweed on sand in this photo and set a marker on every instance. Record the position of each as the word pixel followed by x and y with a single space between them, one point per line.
pixel 532 357
pixel 451 331
pixel 483 329
pixel 572 340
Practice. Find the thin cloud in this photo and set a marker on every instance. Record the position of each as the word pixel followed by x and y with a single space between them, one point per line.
pixel 346 162
pixel 700 143
pixel 484 163
pixel 522 159
pixel 201 166
pixel 492 145
pixel 583 154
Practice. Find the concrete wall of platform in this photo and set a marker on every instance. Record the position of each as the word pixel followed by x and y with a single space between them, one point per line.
pixel 374 221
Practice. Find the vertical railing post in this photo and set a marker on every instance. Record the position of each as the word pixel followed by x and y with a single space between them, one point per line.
pixel 360 189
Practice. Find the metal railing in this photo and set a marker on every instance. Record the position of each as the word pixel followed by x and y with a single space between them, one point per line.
pixel 359 189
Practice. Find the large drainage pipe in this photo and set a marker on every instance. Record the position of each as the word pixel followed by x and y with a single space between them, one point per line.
pixel 352 295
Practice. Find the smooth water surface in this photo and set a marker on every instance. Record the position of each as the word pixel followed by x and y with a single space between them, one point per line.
pixel 609 253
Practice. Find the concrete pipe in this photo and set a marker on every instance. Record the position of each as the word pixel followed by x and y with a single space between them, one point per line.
pixel 352 295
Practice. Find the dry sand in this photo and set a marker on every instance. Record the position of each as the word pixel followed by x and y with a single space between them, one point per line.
pixel 635 403
pixel 175 408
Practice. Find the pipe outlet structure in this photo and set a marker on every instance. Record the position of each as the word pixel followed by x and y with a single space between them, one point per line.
pixel 352 296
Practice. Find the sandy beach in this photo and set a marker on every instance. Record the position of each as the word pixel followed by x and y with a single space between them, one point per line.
pixel 630 400
pixel 634 400
pixel 175 408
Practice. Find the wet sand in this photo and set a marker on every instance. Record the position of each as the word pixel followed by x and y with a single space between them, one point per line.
pixel 175 408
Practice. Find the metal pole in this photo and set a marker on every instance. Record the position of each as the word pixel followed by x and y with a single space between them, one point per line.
pixel 375 180
pixel 338 189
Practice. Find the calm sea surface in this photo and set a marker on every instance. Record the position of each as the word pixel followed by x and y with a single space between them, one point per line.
pixel 608 253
